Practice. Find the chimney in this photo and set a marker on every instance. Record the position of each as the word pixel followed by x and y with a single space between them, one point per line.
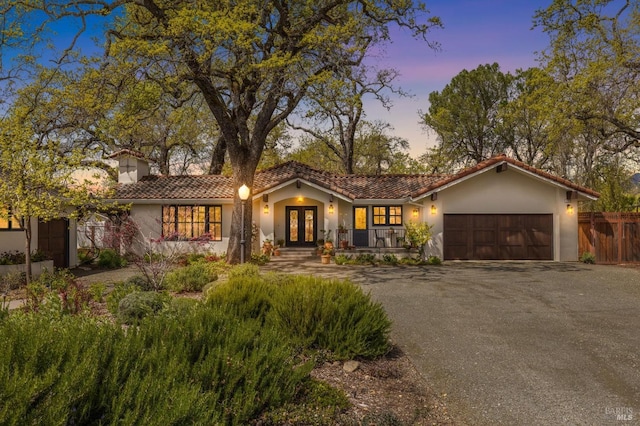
pixel 132 166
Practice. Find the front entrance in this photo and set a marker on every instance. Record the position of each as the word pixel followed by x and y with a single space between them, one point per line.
pixel 302 224
pixel 360 228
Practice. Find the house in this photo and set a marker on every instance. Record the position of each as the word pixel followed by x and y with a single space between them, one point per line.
pixel 498 209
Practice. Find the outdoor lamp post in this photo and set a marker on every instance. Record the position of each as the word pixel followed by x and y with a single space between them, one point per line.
pixel 243 192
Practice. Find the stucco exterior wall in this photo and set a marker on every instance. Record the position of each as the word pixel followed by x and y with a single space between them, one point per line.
pixel 509 192
pixel 148 218
pixel 14 240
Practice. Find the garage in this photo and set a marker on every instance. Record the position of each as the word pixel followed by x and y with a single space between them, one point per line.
pixel 498 237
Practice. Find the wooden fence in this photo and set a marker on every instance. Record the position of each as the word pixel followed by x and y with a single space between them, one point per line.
pixel 612 237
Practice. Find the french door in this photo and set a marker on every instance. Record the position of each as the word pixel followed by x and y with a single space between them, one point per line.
pixel 301 228
pixel 360 228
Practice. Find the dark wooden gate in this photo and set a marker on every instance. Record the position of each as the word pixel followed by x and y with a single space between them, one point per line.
pixel 612 237
pixel 53 239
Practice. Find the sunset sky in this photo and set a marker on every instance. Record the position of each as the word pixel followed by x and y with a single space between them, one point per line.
pixel 475 32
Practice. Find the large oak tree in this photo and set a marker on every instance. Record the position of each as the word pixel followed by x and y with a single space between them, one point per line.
pixel 252 61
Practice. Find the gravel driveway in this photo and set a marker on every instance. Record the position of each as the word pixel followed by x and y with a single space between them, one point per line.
pixel 521 343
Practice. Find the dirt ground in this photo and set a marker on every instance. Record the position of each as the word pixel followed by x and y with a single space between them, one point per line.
pixel 386 390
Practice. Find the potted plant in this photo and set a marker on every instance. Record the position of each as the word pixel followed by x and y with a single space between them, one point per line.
pixel 267 247
pixel 325 258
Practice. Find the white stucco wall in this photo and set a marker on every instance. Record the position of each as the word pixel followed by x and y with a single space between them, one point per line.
pixel 509 192
pixel 148 218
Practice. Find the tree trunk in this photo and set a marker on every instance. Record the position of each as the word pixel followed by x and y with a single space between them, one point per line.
pixel 27 251
pixel 217 157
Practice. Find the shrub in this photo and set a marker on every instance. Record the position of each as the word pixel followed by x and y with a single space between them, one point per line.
pixel 208 367
pixel 314 313
pixel 317 404
pixel 331 314
pixel 390 259
pixel 111 259
pixel 13 281
pixel 137 305
pixel 192 277
pixel 97 291
pixel 434 260
pixel 365 258
pixel 120 290
pixel 588 257
pixel 260 259
pixel 342 259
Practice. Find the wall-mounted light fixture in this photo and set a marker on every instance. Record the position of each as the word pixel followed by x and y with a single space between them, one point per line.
pixel 266 209
pixel 415 213
pixel 298 184
pixel 569 209
pixel 434 209
pixel 300 198
pixel 331 209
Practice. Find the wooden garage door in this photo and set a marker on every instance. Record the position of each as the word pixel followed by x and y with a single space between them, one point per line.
pixel 498 236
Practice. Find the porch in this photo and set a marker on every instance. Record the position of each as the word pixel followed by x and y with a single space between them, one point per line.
pixel 350 239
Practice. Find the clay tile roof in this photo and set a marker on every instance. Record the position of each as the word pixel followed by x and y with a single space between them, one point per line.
pixel 176 187
pixel 499 159
pixel 367 187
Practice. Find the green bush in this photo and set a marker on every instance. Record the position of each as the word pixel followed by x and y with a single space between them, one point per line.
pixel 334 315
pixel 192 277
pixel 434 260
pixel 120 290
pixel 208 367
pixel 365 258
pixel 588 257
pixel 343 259
pixel 137 305
pixel 314 313
pixel 111 259
pixel 389 259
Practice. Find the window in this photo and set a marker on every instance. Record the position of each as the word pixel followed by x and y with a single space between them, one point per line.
pixel 8 221
pixel 192 222
pixel 387 215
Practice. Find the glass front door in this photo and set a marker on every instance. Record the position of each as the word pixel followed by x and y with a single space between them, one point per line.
pixel 301 226
pixel 360 231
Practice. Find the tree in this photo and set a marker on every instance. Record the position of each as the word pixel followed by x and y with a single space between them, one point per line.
pixel 336 108
pixel 465 115
pixel 252 61
pixel 36 178
pixel 526 121
pixel 378 152
pixel 595 58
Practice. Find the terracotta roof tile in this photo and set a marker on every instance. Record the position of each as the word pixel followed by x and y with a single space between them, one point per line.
pixel 498 160
pixel 396 187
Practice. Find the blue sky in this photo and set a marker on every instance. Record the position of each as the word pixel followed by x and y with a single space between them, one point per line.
pixel 475 32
